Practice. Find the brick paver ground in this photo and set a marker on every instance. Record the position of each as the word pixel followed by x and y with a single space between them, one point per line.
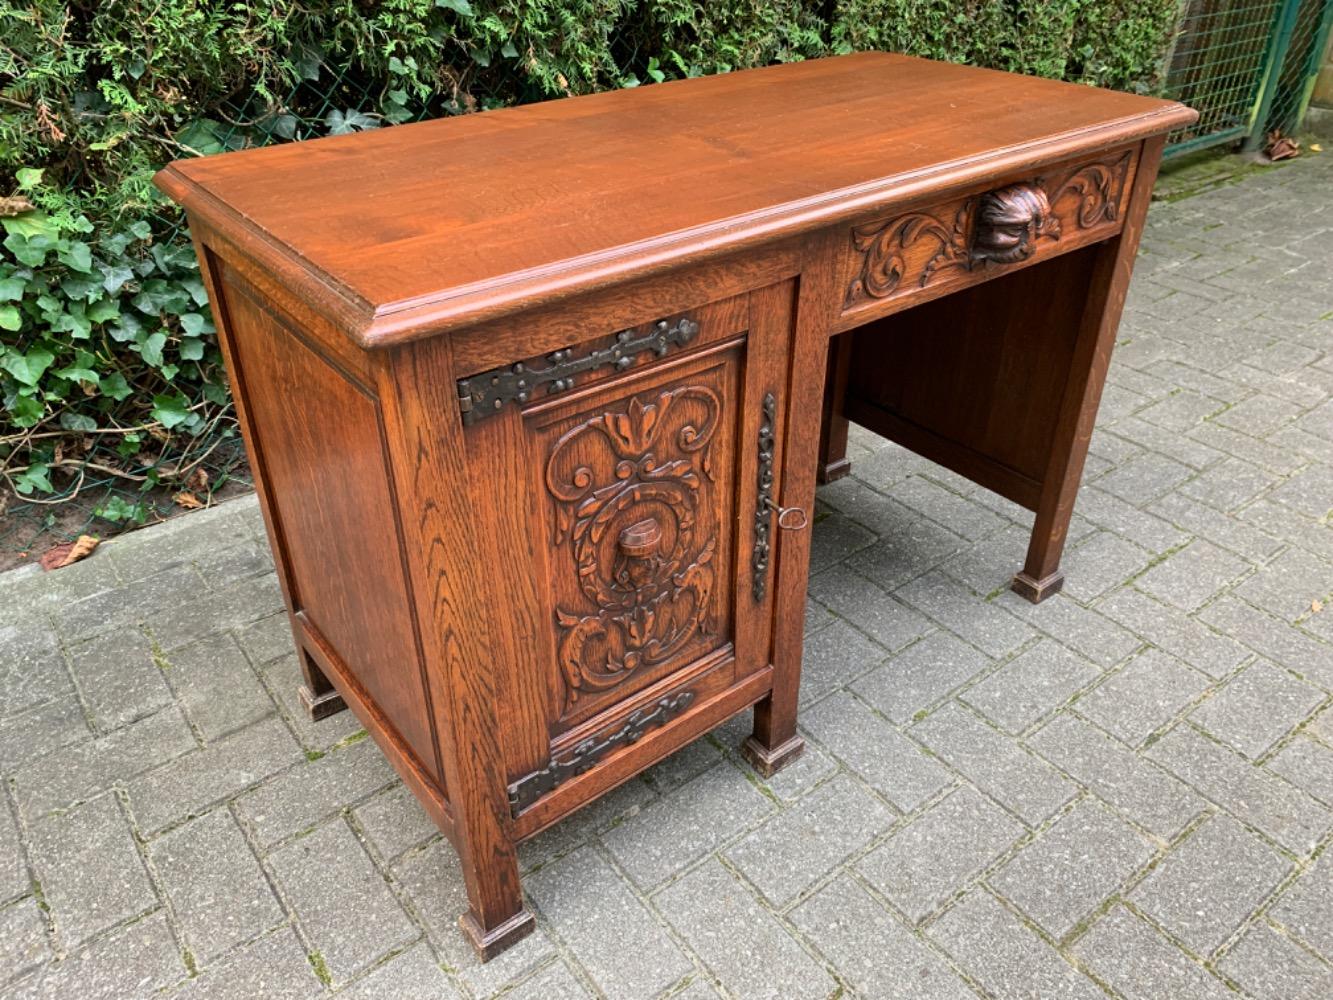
pixel 1126 791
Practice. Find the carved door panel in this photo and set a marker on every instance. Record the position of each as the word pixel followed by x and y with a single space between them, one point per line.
pixel 649 563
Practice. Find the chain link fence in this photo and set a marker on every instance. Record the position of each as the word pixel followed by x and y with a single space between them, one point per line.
pixel 1247 66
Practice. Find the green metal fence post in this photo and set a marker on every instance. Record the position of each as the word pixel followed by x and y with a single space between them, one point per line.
pixel 1278 43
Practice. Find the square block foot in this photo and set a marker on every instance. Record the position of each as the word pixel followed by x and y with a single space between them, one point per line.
pixel 770 762
pixel 508 934
pixel 320 706
pixel 1037 591
pixel 833 471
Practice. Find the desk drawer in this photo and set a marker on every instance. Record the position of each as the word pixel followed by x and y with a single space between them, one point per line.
pixel 914 255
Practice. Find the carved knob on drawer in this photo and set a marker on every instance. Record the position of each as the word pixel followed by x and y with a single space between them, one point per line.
pixel 1009 222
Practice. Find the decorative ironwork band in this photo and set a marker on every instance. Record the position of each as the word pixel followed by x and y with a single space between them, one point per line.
pixel 484 395
pixel 763 518
pixel 586 754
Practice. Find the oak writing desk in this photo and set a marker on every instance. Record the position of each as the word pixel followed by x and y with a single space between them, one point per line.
pixel 534 397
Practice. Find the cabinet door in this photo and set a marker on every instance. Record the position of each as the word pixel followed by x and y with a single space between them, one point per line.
pixel 630 502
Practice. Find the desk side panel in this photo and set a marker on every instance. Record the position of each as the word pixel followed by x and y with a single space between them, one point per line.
pixel 317 442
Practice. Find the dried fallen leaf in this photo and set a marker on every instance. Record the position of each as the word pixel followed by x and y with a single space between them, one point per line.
pixel 1316 606
pixel 1281 147
pixel 187 500
pixel 69 552
pixel 1316 147
pixel 198 479
pixel 15 205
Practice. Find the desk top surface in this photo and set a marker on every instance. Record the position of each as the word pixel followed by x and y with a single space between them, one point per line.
pixel 405 231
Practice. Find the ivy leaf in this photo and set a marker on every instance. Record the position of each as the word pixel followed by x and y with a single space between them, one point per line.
pixel 457 6
pixel 114 277
pixel 79 375
pixel 171 411
pixel 28 248
pixel 10 318
pixel 129 328
pixel 104 311
pixel 27 410
pixel 151 348
pixel 195 324
pixel 343 122
pixel 11 290
pixel 192 350
pixel 80 288
pixel 78 256
pixel 115 386
pixel 77 422
pixel 28 368
pixel 34 477
pixel 29 224
pixel 28 177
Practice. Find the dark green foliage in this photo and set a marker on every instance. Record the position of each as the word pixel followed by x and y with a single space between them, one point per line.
pixel 103 321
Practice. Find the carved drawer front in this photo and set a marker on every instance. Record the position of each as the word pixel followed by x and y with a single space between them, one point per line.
pixel 919 254
pixel 648 553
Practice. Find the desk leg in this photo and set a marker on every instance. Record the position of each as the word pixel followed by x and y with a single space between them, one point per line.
pixel 1041 575
pixel 833 463
pixel 316 694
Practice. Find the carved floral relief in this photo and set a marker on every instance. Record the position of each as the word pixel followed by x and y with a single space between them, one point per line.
pixel 628 486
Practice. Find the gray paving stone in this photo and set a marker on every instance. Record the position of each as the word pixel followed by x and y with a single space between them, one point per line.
pixel 1181 410
pixel 1259 415
pixel 613 808
pixel 238 605
pixel 1293 649
pixel 216 888
pixel 911 549
pixel 1154 799
pixel 1085 631
pixel 394 822
pixel 602 921
pixel 1268 964
pixel 1144 478
pixel 1188 578
pixel 282 677
pixel 1229 531
pixel 343 902
pixel 947 508
pixel 1256 708
pixel 989 565
pixel 1030 686
pixel 925 863
pixel 1203 890
pixel 182 539
pixel 413 975
pixel 217 687
pixel 41 593
pixel 92 877
pixel 1175 632
pixel 118 677
pixel 434 884
pixel 1306 909
pixel 1283 812
pixel 221 567
pixel 920 676
pixel 1155 534
pixel 14 879
pixel 681 827
pixel 1228 485
pixel 895 766
pixel 794 781
pixel 689 761
pixel 314 790
pixel 1139 964
pixel 1142 697
pixel 1287 586
pixel 275 967
pixel 267 639
pixel 556 982
pixel 834 538
pixel 873 952
pixel 121 606
pixel 962 612
pixel 32 671
pixel 197 780
pixel 81 770
pixel 23 942
pixel 832 657
pixel 41 730
pixel 1070 869
pixel 100 972
pixel 1099 563
pixel 885 619
pixel 1307 765
pixel 1008 959
pixel 740 941
pixel 1024 783
pixel 1310 491
pixel 790 851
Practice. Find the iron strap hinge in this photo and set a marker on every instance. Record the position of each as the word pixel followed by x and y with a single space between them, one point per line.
pixel 586 754
pixel 484 395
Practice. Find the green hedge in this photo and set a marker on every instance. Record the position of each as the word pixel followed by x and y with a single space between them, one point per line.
pixel 107 345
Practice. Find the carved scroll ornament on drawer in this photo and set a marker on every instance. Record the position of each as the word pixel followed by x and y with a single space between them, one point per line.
pixel 1003 226
pixel 484 395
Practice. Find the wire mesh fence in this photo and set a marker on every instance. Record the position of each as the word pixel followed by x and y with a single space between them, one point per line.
pixel 1247 67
